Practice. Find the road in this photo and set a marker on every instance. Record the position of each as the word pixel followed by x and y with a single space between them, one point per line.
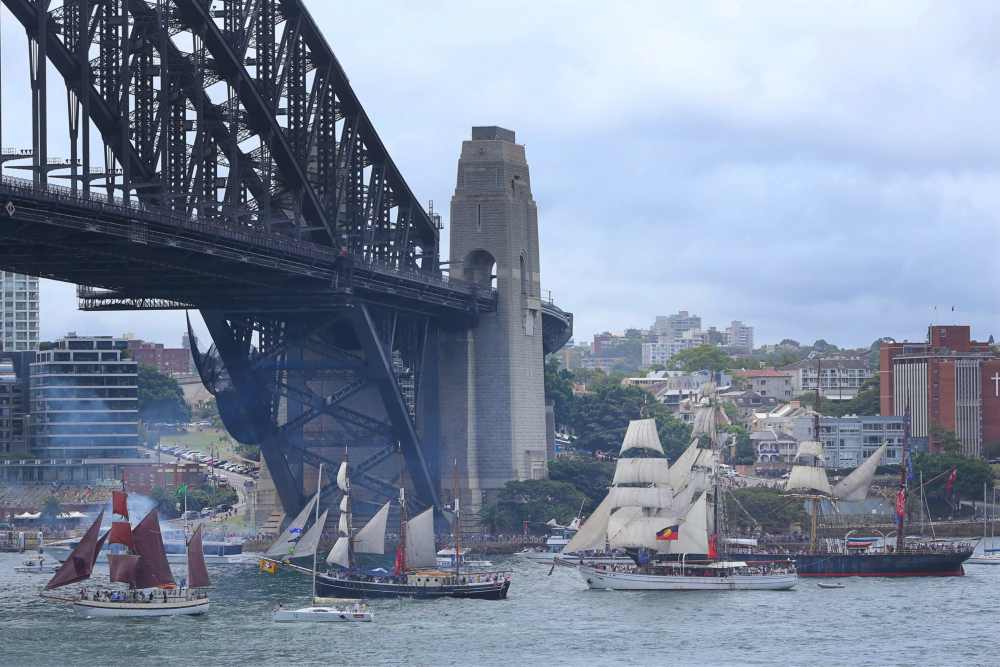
pixel 235 480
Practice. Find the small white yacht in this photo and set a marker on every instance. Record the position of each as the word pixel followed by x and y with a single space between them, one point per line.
pixel 37 565
pixel 326 610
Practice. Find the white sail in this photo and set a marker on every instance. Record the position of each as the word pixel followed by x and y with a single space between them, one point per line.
pixel 371 538
pixel 642 471
pixel 343 525
pixel 343 503
pixel 653 497
pixel 340 553
pixel 342 477
pixel 420 551
pixel 855 485
pixel 641 434
pixel 808 475
pixel 682 466
pixel 593 533
pixel 693 534
pixel 307 545
pixel 639 532
pixel 285 543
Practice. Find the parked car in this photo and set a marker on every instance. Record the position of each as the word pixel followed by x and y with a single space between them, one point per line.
pixel 190 514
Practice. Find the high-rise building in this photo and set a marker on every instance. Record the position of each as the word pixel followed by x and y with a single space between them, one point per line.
pixel 739 336
pixel 169 360
pixel 19 312
pixel 950 382
pixel 84 402
pixel 673 326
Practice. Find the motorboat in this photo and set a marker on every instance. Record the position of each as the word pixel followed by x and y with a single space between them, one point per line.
pixel 37 565
pixel 446 559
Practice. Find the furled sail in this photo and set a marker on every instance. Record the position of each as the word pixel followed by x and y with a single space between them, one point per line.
pixel 642 471
pixel 808 475
pixel 307 545
pixel 81 560
pixel 197 572
pixel 343 503
pixel 420 551
pixel 340 553
pixel 652 497
pixel 342 483
pixel 855 485
pixel 593 533
pixel 343 525
pixel 153 569
pixel 641 434
pixel 285 544
pixel 371 538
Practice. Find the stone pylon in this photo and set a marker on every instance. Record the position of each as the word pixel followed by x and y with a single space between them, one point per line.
pixel 492 377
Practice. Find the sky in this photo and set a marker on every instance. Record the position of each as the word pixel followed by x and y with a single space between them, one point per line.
pixel 818 170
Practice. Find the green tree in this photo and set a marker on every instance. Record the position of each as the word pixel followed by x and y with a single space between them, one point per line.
pixel 970 475
pixel 166 503
pixel 50 510
pixel 703 357
pixel 765 509
pixel 946 439
pixel 161 398
pixel 865 403
pixel 744 447
pixel 535 501
pixel 559 390
pixel 588 476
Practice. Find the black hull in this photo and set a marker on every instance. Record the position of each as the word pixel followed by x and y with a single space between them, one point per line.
pixel 327 586
pixel 920 564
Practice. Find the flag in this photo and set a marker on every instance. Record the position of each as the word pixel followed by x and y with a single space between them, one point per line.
pixel 669 533
pixel 901 502
pixel 181 490
pixel 267 565
pixel 119 503
pixel 951 481
pixel 713 547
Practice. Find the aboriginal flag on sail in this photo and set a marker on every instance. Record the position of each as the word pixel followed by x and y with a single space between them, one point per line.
pixel 668 533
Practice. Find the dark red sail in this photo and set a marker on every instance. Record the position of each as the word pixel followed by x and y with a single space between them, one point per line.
pixel 147 542
pixel 197 572
pixel 119 503
pixel 123 567
pixel 120 533
pixel 81 561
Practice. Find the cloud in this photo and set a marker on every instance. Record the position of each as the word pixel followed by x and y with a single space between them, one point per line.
pixel 815 169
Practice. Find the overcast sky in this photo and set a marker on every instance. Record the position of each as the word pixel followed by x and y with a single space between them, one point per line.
pixel 816 170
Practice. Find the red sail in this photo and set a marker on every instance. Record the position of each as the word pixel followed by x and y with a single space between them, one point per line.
pixel 81 561
pixel 120 533
pixel 153 570
pixel 123 568
pixel 119 503
pixel 197 572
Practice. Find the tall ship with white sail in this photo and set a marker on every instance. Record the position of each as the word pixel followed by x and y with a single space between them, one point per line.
pixel 415 572
pixel 665 518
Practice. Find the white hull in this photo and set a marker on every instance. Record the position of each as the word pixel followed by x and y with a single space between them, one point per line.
pixel 31 569
pixel 567 559
pixel 993 559
pixel 173 607
pixel 322 615
pixel 635 581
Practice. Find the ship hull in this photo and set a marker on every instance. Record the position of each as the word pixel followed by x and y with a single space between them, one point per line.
pixel 930 564
pixel 101 609
pixel 330 586
pixel 635 581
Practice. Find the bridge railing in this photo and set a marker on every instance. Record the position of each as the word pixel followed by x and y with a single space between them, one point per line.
pixel 101 202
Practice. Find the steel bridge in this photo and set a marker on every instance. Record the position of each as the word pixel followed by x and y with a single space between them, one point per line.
pixel 237 174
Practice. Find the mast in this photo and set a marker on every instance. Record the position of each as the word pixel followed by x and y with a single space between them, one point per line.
pixel 814 505
pixel 319 489
pixel 401 547
pixel 901 494
pixel 456 530
pixel 350 511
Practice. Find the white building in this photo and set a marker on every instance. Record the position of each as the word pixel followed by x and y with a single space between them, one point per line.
pixel 739 336
pixel 840 377
pixel 19 312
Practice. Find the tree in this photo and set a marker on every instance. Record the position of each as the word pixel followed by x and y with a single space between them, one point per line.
pixel 744 447
pixel 703 357
pixel 535 501
pixel 161 398
pixel 946 439
pixel 822 346
pixel 166 503
pixel 588 476
pixel 865 403
pixel 51 509
pixel 970 475
pixel 559 390
pixel 764 509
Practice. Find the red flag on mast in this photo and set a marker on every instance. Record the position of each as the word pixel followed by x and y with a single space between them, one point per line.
pixel 951 481
pixel 901 502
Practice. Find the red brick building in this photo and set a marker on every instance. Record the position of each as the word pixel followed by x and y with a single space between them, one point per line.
pixel 172 361
pixel 951 382
pixel 167 476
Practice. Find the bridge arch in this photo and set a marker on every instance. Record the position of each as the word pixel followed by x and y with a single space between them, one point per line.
pixel 480 267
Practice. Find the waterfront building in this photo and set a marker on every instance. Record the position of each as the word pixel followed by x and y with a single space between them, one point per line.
pixel 769 382
pixel 19 312
pixel 839 376
pixel 13 402
pixel 951 382
pixel 84 409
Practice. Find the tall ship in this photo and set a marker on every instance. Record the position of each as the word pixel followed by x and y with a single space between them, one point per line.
pixel 150 589
pixel 415 572
pixel 861 557
pixel 666 519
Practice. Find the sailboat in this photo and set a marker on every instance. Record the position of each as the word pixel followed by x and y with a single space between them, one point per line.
pixel 322 610
pixel 415 573
pixel 989 556
pixel 664 518
pixel 151 589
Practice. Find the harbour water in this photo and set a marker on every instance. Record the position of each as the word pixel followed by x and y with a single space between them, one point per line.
pixel 550 620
